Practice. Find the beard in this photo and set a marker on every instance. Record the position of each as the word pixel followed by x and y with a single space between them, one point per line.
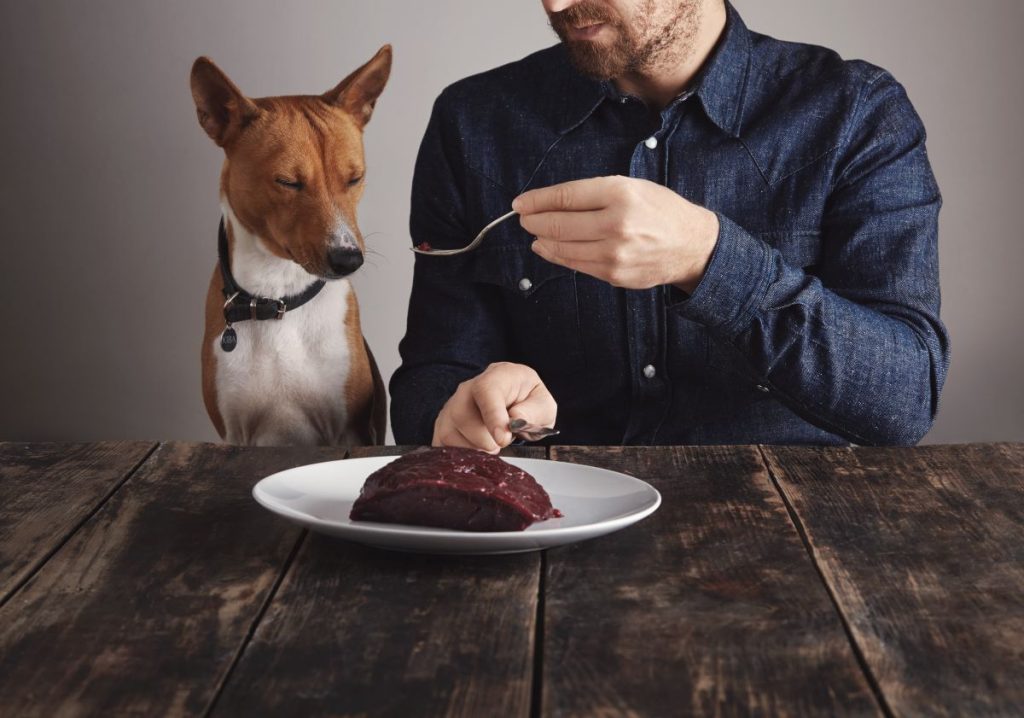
pixel 660 33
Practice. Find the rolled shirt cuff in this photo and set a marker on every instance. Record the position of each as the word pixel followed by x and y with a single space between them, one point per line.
pixel 734 283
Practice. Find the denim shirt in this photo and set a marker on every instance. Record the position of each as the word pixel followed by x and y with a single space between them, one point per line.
pixel 817 320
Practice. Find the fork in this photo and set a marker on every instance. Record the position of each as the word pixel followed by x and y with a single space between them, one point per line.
pixel 525 430
pixel 472 245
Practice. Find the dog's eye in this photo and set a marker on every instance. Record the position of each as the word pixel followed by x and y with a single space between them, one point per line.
pixel 290 184
pixel 355 180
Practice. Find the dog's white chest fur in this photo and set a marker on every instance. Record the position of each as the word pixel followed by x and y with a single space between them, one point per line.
pixel 284 383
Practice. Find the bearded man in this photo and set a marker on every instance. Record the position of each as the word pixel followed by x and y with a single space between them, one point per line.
pixel 722 238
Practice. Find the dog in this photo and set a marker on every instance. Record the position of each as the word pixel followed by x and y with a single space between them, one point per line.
pixel 284 361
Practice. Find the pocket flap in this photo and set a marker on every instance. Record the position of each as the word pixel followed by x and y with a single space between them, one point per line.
pixel 516 268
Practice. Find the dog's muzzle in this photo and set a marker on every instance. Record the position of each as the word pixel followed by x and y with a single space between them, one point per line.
pixel 344 260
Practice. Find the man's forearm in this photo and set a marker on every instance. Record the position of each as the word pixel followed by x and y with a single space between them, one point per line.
pixel 869 369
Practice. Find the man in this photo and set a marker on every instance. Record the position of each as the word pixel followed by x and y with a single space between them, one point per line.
pixel 723 238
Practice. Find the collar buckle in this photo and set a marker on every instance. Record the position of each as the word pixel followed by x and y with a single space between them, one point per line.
pixel 281 307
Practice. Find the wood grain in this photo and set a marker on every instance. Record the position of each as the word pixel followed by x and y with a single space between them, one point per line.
pixel 358 631
pixel 924 550
pixel 709 607
pixel 144 609
pixel 47 490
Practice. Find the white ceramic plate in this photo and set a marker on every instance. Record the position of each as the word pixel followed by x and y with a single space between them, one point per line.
pixel 595 502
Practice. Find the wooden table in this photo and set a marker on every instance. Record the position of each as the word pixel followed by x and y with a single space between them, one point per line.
pixel 141 578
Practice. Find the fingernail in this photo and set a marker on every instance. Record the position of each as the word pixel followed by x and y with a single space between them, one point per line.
pixel 517 204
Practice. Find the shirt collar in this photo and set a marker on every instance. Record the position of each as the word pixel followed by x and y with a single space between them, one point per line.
pixel 723 80
pixel 720 85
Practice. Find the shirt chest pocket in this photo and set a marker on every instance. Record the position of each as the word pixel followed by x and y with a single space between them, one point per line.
pixel 540 303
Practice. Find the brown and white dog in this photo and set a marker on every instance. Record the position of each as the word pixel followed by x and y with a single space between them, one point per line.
pixel 284 359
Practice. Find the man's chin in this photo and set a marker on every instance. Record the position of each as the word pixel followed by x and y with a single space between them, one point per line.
pixel 593 59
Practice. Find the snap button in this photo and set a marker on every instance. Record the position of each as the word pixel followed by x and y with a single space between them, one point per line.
pixel 650 371
pixel 762 387
pixel 525 284
pixel 651 142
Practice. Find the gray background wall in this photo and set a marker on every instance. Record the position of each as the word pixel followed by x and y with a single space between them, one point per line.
pixel 108 202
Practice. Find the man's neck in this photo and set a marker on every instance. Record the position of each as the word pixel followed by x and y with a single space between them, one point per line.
pixel 658 86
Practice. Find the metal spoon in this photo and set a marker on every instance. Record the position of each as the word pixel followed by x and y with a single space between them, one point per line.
pixel 525 430
pixel 472 245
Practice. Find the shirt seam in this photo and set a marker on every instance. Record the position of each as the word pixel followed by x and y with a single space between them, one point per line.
pixel 847 136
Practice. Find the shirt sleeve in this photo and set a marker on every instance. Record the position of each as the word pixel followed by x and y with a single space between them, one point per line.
pixel 454 328
pixel 857 348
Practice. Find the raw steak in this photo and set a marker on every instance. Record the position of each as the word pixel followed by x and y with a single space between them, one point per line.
pixel 453 488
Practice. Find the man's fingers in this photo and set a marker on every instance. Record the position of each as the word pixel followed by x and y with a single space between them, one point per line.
pixel 556 253
pixel 449 434
pixel 538 408
pixel 568 226
pixel 453 437
pixel 571 253
pixel 477 414
pixel 476 432
pixel 491 399
pixel 467 420
pixel 478 438
pixel 571 196
pixel 445 434
pixel 460 423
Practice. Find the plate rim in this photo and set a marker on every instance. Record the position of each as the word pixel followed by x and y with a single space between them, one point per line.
pixel 370 528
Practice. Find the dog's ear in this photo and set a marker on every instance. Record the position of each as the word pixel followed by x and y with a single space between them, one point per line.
pixel 357 94
pixel 222 109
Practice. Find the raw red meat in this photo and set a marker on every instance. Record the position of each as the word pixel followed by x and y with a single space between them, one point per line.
pixel 453 488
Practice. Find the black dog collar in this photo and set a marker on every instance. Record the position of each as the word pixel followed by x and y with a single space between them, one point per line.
pixel 240 305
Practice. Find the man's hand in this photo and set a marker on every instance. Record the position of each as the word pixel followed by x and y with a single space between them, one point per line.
pixel 629 232
pixel 477 414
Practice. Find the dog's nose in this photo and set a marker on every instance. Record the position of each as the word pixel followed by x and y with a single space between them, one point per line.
pixel 344 260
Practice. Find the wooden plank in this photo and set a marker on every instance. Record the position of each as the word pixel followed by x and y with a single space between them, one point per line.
pixel 357 631
pixel 709 607
pixel 923 549
pixel 146 606
pixel 47 490
pixel 362 452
